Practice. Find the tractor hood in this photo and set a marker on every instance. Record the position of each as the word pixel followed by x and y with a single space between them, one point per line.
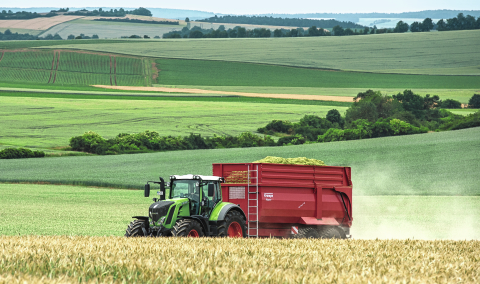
pixel 159 209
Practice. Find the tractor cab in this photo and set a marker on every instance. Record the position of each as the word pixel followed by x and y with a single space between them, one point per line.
pixel 202 192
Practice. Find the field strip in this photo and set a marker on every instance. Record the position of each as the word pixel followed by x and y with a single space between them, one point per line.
pixel 128 94
pixel 258 95
pixel 3 53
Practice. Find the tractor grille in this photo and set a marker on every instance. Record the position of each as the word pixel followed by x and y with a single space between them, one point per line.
pixel 159 209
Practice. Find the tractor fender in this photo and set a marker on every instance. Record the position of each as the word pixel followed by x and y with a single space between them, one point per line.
pixel 227 208
pixel 145 218
pixel 202 222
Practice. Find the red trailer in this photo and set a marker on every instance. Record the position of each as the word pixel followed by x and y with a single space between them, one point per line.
pixel 290 200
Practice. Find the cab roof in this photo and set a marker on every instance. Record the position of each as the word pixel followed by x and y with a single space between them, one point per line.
pixel 199 177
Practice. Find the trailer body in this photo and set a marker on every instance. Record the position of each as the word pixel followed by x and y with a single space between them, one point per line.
pixel 279 200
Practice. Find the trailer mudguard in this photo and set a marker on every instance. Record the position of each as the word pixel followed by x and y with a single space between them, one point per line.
pixel 315 221
pixel 222 209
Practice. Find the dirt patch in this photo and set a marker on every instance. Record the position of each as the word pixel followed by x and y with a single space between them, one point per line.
pixel 37 23
pixel 258 95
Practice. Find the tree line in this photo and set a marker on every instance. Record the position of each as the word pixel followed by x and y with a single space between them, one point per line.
pixel 460 22
pixel 289 22
pixel 111 13
pixel 8 35
pixel 23 15
pixel 127 20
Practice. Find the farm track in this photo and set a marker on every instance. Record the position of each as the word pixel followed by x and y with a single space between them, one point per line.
pixel 258 95
pixel 56 69
pixel 51 70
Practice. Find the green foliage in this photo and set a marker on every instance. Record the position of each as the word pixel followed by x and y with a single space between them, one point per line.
pixel 20 153
pixel 401 27
pixel 474 101
pixel 471 120
pixel 92 142
pixel 449 103
pixel 460 22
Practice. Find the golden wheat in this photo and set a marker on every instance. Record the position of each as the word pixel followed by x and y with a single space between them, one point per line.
pixel 61 259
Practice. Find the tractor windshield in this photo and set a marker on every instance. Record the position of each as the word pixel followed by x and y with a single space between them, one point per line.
pixel 186 188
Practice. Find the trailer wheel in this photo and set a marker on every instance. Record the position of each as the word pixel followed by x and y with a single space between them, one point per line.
pixel 234 226
pixel 307 233
pixel 329 232
pixel 135 229
pixel 187 228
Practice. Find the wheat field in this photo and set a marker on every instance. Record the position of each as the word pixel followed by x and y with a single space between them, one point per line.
pixel 63 259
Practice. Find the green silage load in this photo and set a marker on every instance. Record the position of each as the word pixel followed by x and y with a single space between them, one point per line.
pixel 291 161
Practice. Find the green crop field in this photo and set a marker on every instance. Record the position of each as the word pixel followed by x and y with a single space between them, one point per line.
pixel 70 68
pixel 51 122
pixel 438 53
pixel 443 164
pixel 32 209
pixel 220 73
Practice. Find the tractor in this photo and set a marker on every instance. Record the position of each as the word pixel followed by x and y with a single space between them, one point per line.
pixel 189 206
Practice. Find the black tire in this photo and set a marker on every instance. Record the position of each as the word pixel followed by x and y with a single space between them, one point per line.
pixel 329 232
pixel 233 217
pixel 307 233
pixel 135 229
pixel 187 228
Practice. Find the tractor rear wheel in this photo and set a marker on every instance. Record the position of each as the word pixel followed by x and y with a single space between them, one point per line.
pixel 135 229
pixel 307 233
pixel 234 226
pixel 329 232
pixel 187 228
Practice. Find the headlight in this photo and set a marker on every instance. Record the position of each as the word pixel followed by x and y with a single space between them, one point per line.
pixel 161 221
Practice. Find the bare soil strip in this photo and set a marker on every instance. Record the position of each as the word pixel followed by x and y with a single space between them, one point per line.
pixel 259 95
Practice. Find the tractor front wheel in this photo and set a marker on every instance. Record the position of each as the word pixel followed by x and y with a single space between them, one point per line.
pixel 187 228
pixel 234 226
pixel 136 229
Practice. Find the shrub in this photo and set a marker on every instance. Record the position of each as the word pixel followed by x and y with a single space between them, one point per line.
pixel 474 101
pixel 20 153
pixel 449 103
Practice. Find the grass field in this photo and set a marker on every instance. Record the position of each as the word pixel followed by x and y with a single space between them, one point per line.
pixel 219 73
pixel 51 122
pixel 166 260
pixel 435 53
pixel 383 217
pixel 442 164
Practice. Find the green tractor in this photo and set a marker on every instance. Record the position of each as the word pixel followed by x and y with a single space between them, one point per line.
pixel 194 208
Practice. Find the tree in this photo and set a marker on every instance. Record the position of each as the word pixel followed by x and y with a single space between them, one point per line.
pixel 415 27
pixel 474 101
pixel 366 30
pixel 312 31
pixel 337 31
pixel 348 31
pixel 196 34
pixel 401 27
pixel 71 37
pixel 277 33
pixel 441 25
pixel 95 36
pixel 426 25
pixel 449 103
pixel 334 116
pixel 187 20
pixel 146 36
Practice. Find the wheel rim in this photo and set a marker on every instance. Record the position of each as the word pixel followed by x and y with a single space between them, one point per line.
pixel 193 234
pixel 235 230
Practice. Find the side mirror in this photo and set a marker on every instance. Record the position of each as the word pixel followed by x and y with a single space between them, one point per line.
pixel 147 190
pixel 211 189
pixel 162 189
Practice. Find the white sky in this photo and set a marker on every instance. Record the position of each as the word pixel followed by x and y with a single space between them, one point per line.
pixel 260 7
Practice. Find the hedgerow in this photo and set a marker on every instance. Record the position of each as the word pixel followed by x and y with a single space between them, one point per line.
pixel 19 153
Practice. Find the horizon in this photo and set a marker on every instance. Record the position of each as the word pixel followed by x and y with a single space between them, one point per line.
pixel 252 7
